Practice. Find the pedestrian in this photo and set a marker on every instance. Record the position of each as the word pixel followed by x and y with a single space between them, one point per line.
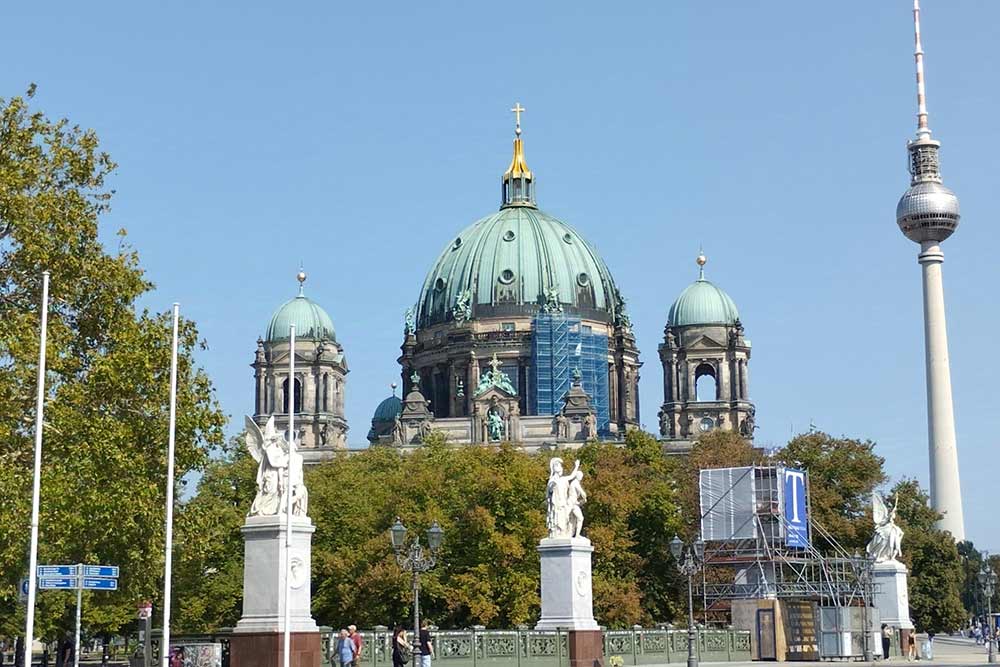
pixel 356 638
pixel 886 640
pixel 345 649
pixel 426 644
pixel 401 648
pixel 911 645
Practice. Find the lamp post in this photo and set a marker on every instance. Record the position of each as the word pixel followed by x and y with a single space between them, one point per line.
pixel 412 559
pixel 988 582
pixel 690 558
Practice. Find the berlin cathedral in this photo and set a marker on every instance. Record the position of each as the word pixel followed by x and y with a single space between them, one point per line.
pixel 519 333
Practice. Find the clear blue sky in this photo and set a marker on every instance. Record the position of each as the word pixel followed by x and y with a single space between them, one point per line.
pixel 358 138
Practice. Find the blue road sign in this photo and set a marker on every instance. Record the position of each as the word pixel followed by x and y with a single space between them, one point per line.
pixel 98 583
pixel 57 582
pixel 100 571
pixel 25 585
pixel 56 570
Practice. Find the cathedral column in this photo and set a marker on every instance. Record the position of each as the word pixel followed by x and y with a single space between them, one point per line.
pixel 743 379
pixel 452 390
pixel 668 369
pixel 472 379
pixel 308 401
pixel 725 392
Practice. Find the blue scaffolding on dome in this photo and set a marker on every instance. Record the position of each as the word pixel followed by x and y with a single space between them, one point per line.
pixel 559 345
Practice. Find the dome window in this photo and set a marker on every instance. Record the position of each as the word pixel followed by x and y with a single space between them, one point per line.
pixel 457 244
pixel 509 235
pixel 439 284
pixel 567 237
pixel 583 280
pixel 506 277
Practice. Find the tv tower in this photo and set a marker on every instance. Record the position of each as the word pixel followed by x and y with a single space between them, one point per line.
pixel 927 214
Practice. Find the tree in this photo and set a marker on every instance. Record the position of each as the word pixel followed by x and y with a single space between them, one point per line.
pixel 208 557
pixel 107 382
pixel 936 575
pixel 490 503
pixel 843 472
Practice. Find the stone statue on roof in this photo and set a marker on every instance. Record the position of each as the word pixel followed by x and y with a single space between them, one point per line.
pixel 495 378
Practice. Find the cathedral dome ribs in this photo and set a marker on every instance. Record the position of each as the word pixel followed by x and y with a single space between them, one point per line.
pixel 488 290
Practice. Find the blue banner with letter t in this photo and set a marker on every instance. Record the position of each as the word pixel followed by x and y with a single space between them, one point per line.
pixel 796 521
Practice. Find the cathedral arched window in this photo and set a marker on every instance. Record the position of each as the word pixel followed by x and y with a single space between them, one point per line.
pixel 706 384
pixel 284 396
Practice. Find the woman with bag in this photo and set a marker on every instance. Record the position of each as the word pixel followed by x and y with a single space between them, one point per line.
pixel 401 649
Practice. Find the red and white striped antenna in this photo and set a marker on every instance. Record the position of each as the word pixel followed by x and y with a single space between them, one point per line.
pixel 923 130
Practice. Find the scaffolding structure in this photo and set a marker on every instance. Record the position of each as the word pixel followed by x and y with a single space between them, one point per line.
pixel 746 528
pixel 561 345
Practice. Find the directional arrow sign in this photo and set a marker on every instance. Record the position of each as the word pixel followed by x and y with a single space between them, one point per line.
pixel 94 583
pixel 24 589
pixel 57 582
pixel 56 571
pixel 100 571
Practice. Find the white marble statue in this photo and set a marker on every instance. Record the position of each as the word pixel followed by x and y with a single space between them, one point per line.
pixel 564 495
pixel 886 544
pixel 277 471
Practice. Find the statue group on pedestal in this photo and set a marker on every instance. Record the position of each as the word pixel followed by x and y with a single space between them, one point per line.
pixel 565 497
pixel 279 472
pixel 886 543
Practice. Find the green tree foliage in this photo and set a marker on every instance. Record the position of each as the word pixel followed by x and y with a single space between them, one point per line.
pixel 843 472
pixel 972 563
pixel 208 552
pixel 936 574
pixel 107 384
pixel 491 505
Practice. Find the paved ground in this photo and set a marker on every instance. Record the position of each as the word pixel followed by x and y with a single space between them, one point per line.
pixel 949 651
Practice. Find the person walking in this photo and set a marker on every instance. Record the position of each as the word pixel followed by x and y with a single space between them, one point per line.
pixel 911 645
pixel 345 649
pixel 886 640
pixel 426 644
pixel 401 648
pixel 358 641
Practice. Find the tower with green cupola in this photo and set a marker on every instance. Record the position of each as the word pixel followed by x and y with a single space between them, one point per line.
pixel 705 359
pixel 320 376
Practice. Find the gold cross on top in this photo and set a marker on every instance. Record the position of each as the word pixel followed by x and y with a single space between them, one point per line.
pixel 518 110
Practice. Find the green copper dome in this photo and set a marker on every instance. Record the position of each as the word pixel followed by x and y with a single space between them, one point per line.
pixel 388 409
pixel 310 320
pixel 702 303
pixel 512 262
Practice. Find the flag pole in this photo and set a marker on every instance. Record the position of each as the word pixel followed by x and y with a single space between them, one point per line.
pixel 288 496
pixel 36 483
pixel 168 557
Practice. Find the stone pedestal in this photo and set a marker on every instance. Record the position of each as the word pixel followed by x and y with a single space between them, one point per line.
pixel 264 574
pixel 891 597
pixel 266 649
pixel 586 648
pixel 567 595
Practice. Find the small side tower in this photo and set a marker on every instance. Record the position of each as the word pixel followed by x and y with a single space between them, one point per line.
pixel 320 376
pixel 705 364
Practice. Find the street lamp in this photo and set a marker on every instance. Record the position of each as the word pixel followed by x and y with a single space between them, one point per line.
pixel 412 559
pixel 689 560
pixel 988 582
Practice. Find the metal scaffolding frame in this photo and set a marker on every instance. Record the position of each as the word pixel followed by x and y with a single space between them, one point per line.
pixel 764 566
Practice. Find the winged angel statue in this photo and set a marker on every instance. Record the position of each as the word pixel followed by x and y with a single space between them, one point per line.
pixel 278 469
pixel 888 538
